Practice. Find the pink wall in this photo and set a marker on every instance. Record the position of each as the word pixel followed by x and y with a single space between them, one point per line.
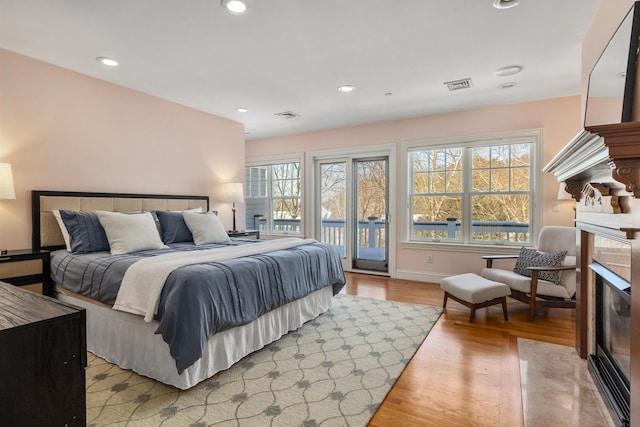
pixel 559 118
pixel 63 130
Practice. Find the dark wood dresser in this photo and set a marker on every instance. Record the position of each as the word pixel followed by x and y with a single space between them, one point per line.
pixel 43 356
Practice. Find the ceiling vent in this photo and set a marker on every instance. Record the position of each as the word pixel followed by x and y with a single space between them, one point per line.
pixel 288 115
pixel 459 84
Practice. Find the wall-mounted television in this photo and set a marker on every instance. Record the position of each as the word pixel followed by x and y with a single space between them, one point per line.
pixel 611 90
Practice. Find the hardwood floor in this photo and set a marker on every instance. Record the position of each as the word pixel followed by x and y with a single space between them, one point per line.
pixel 464 374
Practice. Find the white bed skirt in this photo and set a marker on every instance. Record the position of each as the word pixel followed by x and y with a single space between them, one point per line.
pixel 130 342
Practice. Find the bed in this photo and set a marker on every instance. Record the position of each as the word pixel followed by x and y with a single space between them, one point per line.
pixel 181 311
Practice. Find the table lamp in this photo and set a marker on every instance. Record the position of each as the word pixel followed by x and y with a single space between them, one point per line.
pixel 232 193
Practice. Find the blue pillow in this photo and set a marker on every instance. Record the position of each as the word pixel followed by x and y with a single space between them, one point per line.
pixel 173 229
pixel 85 232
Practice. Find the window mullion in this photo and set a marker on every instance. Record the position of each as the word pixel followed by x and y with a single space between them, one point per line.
pixel 270 217
pixel 412 196
pixel 466 196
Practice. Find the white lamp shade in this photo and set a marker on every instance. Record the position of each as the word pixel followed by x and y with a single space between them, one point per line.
pixel 7 191
pixel 232 192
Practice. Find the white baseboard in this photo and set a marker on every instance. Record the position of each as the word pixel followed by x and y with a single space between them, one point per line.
pixel 370 272
pixel 420 276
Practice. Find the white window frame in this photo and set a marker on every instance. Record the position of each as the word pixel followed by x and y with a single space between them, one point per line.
pixel 268 161
pixel 466 244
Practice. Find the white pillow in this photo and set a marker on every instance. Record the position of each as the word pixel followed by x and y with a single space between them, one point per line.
pixel 130 232
pixel 63 229
pixel 205 228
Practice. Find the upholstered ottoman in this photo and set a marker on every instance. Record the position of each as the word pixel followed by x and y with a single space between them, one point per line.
pixel 475 292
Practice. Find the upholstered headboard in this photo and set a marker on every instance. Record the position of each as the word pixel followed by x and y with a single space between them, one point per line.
pixel 46 232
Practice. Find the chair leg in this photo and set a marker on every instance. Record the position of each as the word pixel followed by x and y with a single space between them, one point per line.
pixel 472 316
pixel 504 308
pixel 444 304
pixel 534 291
pixel 532 312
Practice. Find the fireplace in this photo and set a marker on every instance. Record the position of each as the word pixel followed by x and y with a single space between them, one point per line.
pixel 610 365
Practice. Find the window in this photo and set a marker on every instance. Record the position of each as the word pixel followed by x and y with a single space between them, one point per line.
pixel 472 191
pixel 274 198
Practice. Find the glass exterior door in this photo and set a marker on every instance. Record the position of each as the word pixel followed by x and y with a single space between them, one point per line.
pixel 371 214
pixel 353 210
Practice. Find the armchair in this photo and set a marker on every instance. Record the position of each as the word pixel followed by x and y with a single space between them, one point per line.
pixel 534 290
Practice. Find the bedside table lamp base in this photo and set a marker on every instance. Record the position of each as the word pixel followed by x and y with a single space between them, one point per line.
pixel 232 192
pixel 233 209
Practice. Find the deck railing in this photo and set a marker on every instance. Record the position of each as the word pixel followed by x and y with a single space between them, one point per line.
pixel 371 232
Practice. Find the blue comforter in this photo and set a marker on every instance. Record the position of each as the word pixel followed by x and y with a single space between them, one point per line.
pixel 199 300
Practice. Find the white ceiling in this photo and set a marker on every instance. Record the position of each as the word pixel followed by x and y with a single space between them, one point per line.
pixel 291 55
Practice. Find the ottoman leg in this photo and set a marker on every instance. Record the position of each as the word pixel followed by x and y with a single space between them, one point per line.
pixel 504 308
pixel 472 316
pixel 446 296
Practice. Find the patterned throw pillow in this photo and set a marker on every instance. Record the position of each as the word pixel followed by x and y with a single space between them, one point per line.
pixel 533 258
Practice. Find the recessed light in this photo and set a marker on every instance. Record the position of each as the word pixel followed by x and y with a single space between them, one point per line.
pixel 346 88
pixel 235 7
pixel 241 110
pixel 508 85
pixel 505 4
pixel 509 70
pixel 107 61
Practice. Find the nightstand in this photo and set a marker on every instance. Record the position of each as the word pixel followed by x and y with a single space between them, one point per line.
pixel 27 269
pixel 247 234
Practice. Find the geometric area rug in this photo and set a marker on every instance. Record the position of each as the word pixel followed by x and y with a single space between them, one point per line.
pixel 334 370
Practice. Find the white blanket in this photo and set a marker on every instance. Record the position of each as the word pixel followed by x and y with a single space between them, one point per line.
pixel 142 282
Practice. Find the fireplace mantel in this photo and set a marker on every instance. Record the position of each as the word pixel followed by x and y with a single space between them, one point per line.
pixel 600 153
